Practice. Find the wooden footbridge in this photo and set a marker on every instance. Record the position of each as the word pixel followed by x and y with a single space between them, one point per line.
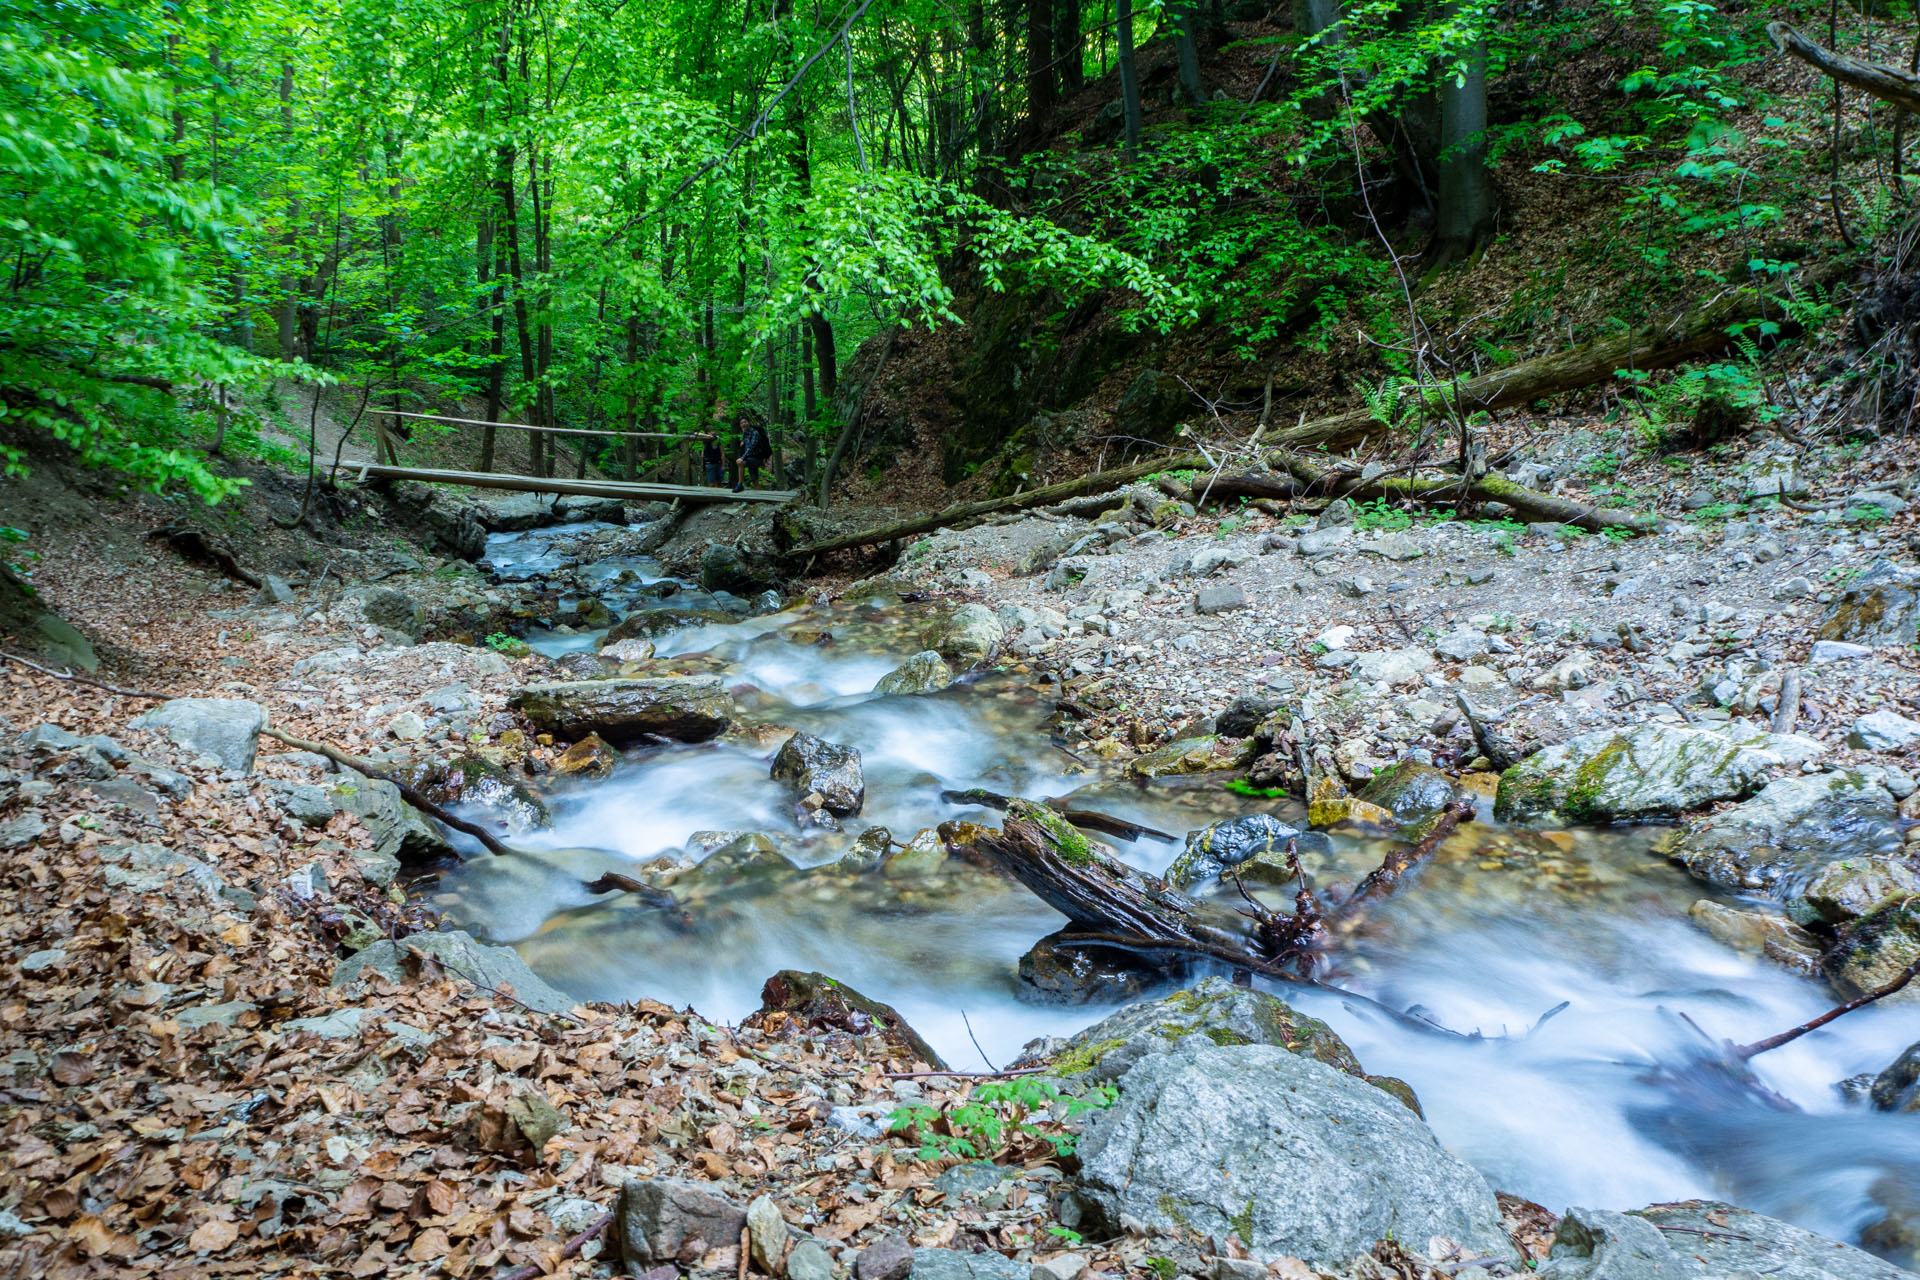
pixel 627 490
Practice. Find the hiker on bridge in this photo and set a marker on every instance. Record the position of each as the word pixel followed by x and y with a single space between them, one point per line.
pixel 755 450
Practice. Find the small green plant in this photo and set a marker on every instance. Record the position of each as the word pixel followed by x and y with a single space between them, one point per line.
pixel 1066 1235
pixel 1241 787
pixel 1164 1268
pixel 982 1125
pixel 1380 514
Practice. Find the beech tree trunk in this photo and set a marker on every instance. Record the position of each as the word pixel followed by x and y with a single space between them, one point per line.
pixel 1464 213
pixel 1129 75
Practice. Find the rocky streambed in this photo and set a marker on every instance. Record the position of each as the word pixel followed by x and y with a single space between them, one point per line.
pixel 1554 991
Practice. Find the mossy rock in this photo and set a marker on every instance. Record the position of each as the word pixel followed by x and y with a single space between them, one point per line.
pixel 1873 950
pixel 1208 754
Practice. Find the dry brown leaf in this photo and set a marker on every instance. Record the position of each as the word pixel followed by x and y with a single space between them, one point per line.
pixel 430 1246
pixel 72 1068
pixel 212 1236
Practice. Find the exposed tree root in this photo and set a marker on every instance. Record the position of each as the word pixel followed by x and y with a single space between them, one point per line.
pixel 407 793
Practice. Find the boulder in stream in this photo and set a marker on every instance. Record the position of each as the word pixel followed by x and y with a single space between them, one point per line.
pixel 1411 791
pixel 1700 1238
pixel 814 766
pixel 725 568
pixel 1254 844
pixel 591 757
pixel 969 634
pixel 1296 1158
pixel 924 672
pixel 792 1001
pixel 1056 972
pixel 474 782
pixel 1898 1087
pixel 1785 838
pixel 685 708
pixel 1873 950
pixel 1649 772
pixel 645 624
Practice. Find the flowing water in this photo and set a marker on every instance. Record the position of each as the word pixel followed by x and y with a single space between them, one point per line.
pixel 1608 1103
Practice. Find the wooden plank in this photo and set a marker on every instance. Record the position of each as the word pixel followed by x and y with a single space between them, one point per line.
pixel 583 488
pixel 527 426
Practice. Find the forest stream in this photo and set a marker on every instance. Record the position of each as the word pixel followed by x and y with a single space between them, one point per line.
pixel 1608 1101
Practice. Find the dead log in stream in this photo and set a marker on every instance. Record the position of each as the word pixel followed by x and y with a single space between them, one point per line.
pixel 1114 905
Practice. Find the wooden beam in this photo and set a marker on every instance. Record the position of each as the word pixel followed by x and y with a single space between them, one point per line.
pixel 1890 84
pixel 526 426
pixel 693 494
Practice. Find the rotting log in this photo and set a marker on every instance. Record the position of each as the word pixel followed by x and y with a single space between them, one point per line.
pixel 1889 84
pixel 1537 506
pixel 1085 819
pixel 1659 345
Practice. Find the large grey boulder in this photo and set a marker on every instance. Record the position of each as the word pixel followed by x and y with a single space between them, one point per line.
pixel 1783 839
pixel 1701 1238
pixel 228 729
pixel 1883 730
pixel 1254 845
pixel 1875 949
pixel 1652 771
pixel 814 766
pixel 924 672
pixel 968 634
pixel 576 507
pixel 462 957
pixel 667 1220
pixel 389 609
pixel 1219 1013
pixel 1881 606
pixel 399 830
pixel 685 708
pixel 514 512
pixel 1292 1156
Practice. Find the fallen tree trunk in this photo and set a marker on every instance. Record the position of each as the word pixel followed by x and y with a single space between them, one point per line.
pixel 1541 507
pixel 1889 84
pixel 1659 345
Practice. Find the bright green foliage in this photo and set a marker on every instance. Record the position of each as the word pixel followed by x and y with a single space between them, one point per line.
pixel 994 1115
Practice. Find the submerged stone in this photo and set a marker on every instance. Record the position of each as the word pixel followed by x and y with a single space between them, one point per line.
pixel 1788 835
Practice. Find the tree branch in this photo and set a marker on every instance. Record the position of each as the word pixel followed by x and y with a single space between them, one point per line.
pixel 1890 84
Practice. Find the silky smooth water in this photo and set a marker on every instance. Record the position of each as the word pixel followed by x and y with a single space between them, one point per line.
pixel 1612 1102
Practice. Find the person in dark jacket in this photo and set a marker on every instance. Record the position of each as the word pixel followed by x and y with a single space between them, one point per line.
pixel 755 450
pixel 713 460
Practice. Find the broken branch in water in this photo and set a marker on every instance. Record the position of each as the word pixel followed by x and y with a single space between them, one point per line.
pixel 407 793
pixel 613 881
pixel 1085 819
pixel 1385 878
pixel 1746 1052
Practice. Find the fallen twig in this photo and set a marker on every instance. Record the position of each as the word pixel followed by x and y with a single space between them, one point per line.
pixel 534 1270
pixel 1787 714
pixel 407 793
pixel 1086 819
pixel 1747 1052
pixel 77 678
pixel 1385 878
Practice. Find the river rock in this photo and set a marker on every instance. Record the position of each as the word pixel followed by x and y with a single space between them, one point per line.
pixel 924 672
pixel 1786 836
pixel 1848 888
pixel 888 1258
pixel 591 757
pixel 624 651
pixel 1188 755
pixel 1411 791
pixel 813 1001
pixel 1882 730
pixel 923 855
pixel 577 508
pixel 969 634
pixel 472 782
pixel 462 957
pixel 1243 715
pixel 1463 644
pixel 956 1264
pixel 514 512
pixel 389 609
pixel 1649 772
pixel 1051 973
pixel 1392 667
pixel 1700 1238
pixel 1217 1012
pixel 645 624
pixel 1880 607
pixel 739 856
pixel 1217 598
pixel 228 729
pixel 1325 541
pixel 1296 1158
pixel 685 708
pixel 1757 933
pixel 724 568
pixel 1898 1087
pixel 814 766
pixel 666 1220
pixel 1871 951
pixel 1236 842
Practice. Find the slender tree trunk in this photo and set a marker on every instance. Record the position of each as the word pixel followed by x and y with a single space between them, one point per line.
pixel 1187 15
pixel 177 138
pixel 1465 206
pixel 506 159
pixel 1129 75
pixel 286 312
pixel 1042 95
pixel 1069 47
